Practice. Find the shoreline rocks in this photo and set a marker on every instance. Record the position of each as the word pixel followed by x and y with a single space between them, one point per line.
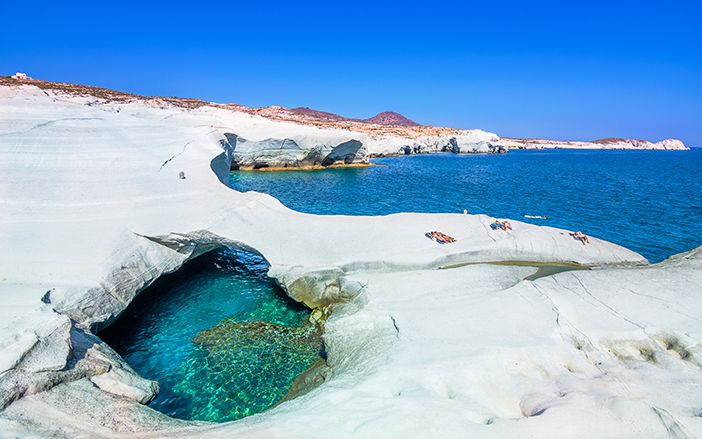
pixel 301 152
pixel 93 210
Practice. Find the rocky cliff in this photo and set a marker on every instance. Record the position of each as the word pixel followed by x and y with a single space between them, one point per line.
pixel 307 137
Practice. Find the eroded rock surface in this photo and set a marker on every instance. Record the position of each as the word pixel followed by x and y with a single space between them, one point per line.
pixel 303 152
pixel 93 210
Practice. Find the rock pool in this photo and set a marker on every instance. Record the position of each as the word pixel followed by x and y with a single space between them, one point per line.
pixel 219 336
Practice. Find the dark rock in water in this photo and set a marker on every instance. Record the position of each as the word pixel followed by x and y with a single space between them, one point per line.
pixel 498 149
pixel 453 145
pixel 406 150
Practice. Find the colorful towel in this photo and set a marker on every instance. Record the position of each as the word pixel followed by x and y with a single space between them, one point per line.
pixel 439 237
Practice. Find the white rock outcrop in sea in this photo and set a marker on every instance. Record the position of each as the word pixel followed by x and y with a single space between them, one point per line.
pixel 300 152
pixel 611 143
pixel 93 211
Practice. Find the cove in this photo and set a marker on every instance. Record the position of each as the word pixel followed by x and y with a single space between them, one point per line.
pixel 220 337
pixel 647 201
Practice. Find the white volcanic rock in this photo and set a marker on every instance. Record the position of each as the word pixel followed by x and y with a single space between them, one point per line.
pixel 306 151
pixel 476 351
pixel 120 382
pixel 673 144
pixel 462 141
pixel 667 144
pixel 93 210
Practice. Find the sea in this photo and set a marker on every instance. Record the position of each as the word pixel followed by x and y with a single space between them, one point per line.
pixel 647 201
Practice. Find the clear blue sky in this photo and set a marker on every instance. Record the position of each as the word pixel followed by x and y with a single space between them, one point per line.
pixel 562 69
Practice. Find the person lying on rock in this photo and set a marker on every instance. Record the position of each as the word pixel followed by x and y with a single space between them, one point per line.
pixel 580 236
pixel 439 237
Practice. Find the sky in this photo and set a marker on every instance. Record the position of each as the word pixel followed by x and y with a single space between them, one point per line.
pixel 562 70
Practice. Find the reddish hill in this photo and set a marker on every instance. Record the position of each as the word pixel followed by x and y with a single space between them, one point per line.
pixel 387 118
pixel 391 118
pixel 316 114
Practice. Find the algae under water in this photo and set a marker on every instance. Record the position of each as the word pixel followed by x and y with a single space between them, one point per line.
pixel 220 337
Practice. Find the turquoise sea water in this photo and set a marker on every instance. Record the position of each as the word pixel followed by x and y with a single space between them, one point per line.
pixel 222 339
pixel 648 201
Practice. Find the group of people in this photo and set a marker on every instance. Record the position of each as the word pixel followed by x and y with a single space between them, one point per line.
pixel 505 225
pixel 501 225
pixel 439 237
pixel 442 238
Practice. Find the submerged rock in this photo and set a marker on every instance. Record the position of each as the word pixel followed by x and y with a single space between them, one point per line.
pixel 230 333
pixel 251 366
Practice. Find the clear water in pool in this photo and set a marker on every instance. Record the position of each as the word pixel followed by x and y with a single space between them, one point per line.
pixel 648 201
pixel 219 336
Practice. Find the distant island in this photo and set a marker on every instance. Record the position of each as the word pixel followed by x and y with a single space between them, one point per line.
pixel 609 143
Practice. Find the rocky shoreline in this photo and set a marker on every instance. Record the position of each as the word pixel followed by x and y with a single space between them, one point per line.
pixel 94 210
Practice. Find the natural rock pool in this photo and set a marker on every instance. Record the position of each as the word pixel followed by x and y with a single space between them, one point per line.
pixel 220 337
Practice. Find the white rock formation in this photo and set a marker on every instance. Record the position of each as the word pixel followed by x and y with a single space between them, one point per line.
pixel 92 210
pixel 464 141
pixel 667 144
pixel 301 152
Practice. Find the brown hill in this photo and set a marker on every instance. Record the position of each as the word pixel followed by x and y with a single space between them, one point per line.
pixel 390 118
pixel 316 114
pixel 387 118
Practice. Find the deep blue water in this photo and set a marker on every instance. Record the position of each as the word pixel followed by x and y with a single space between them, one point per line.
pixel 648 201
pixel 219 336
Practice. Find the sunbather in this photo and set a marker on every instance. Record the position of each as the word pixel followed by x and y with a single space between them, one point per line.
pixel 580 236
pixel 439 237
pixel 502 225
